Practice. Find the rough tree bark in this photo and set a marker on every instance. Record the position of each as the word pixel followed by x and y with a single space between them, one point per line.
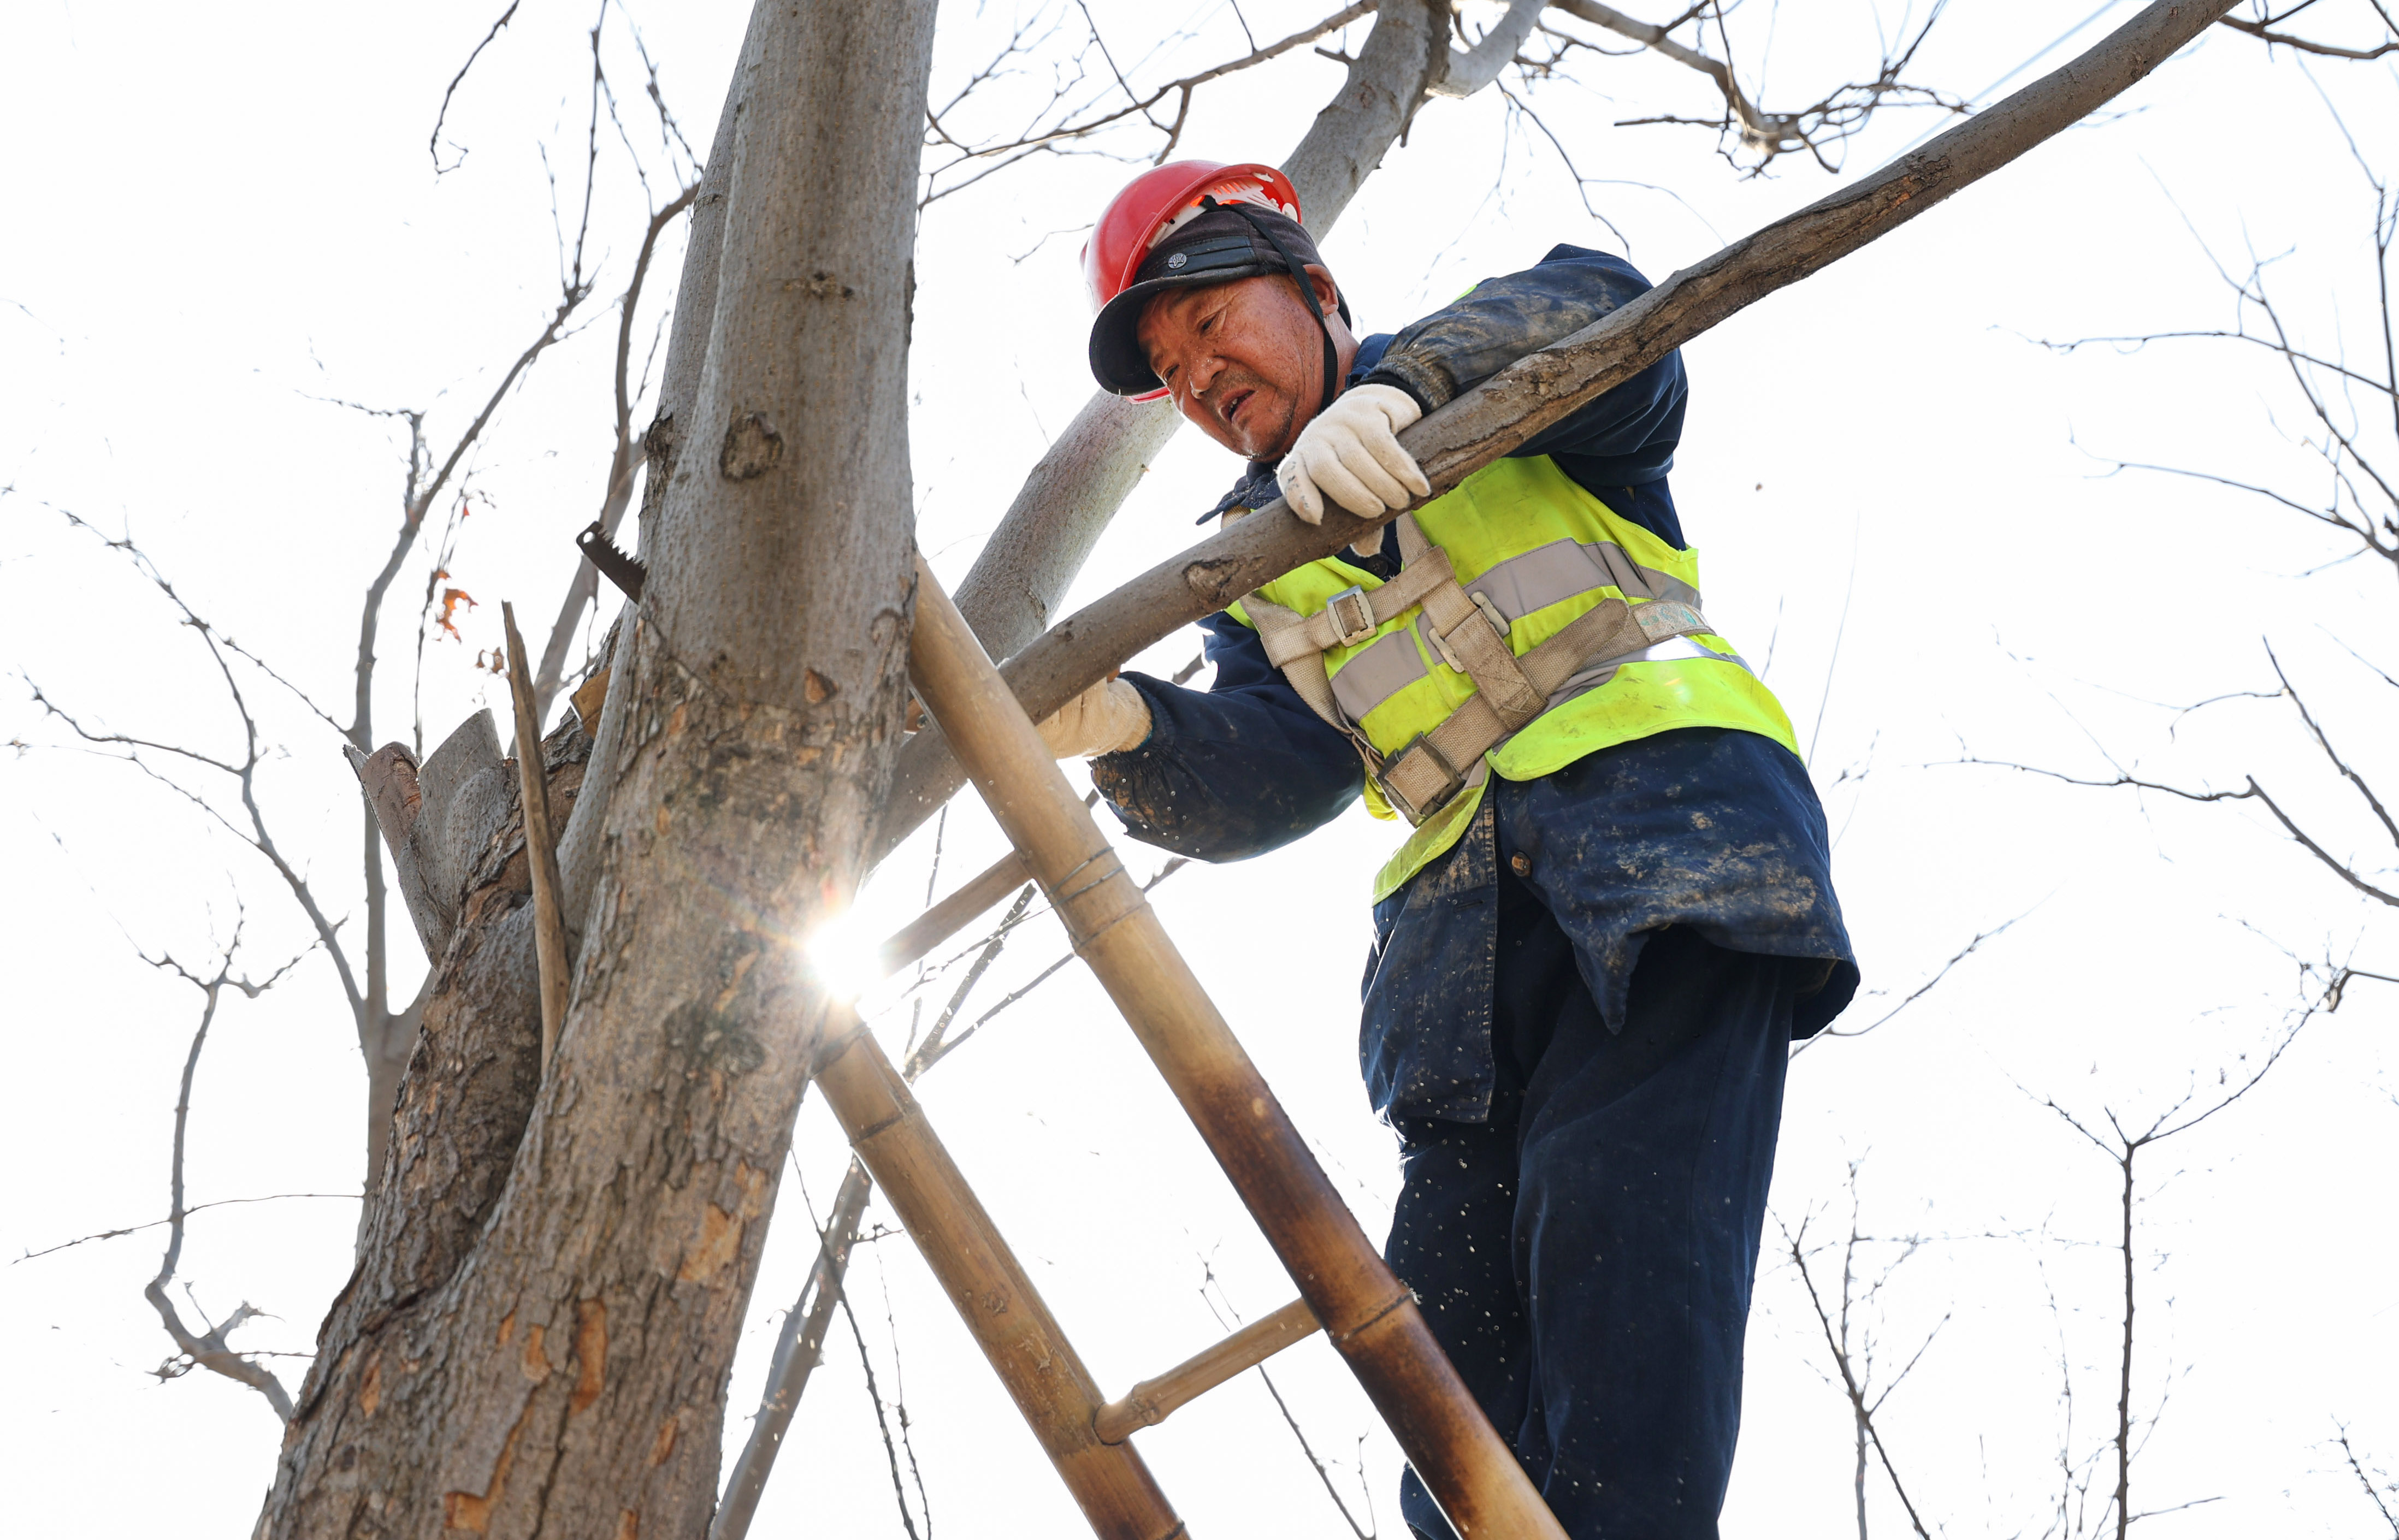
pixel 1484 424
pixel 564 1374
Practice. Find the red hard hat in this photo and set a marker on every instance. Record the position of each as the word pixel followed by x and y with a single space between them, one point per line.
pixel 1159 200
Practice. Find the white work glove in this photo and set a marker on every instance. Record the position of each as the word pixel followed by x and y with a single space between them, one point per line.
pixel 1108 718
pixel 1352 452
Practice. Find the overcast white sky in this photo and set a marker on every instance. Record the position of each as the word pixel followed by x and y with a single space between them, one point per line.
pixel 218 219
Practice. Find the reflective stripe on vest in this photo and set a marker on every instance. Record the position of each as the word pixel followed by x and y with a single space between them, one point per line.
pixel 1558 571
pixel 1540 551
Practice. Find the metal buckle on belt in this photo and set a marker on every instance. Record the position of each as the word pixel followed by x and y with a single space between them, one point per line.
pixel 1451 781
pixel 1351 636
pixel 1490 613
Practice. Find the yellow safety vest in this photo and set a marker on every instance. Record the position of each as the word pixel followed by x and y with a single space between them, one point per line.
pixel 1534 553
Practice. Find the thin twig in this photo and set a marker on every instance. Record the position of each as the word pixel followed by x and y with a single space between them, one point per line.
pixel 1228 1316
pixel 208 1349
pixel 1036 139
pixel 1852 1384
pixel 195 1209
pixel 2373 1493
pixel 1920 991
pixel 2251 791
pixel 433 139
pixel 623 462
pixel 890 1449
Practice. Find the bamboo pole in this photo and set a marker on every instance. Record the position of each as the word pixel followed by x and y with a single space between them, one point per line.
pixel 994 1296
pixel 1153 1400
pixel 945 919
pixel 1369 1316
pixel 541 843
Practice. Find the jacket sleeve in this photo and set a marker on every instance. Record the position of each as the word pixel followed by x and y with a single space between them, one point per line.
pixel 1626 438
pixel 1232 771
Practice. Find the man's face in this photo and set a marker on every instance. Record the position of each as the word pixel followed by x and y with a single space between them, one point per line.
pixel 1244 360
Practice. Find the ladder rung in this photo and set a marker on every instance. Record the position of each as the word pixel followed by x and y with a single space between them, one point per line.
pixel 1152 1401
pixel 945 919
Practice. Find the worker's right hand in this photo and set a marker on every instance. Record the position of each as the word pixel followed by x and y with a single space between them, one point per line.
pixel 1108 718
pixel 1351 454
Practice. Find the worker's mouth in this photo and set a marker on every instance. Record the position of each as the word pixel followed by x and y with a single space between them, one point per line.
pixel 1233 404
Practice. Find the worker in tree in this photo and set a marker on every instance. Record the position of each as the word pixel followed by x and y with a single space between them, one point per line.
pixel 1615 912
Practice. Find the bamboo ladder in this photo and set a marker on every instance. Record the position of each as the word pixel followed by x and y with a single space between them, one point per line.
pixel 1345 1288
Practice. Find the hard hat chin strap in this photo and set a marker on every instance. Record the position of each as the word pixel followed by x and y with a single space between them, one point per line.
pixel 1307 291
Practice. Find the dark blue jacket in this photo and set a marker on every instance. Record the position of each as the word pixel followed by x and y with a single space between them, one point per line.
pixel 1718 830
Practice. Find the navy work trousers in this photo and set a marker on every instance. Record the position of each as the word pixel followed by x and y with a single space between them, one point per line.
pixel 1586 1255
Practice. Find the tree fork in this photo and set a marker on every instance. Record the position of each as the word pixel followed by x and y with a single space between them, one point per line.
pixel 566 1375
pixel 1486 423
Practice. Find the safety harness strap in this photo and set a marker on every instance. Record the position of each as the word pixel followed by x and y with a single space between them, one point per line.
pixel 1510 691
pixel 1433 766
pixel 1354 615
pixel 1304 666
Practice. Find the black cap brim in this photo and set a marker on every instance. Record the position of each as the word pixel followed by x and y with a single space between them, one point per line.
pixel 1220 246
pixel 1118 360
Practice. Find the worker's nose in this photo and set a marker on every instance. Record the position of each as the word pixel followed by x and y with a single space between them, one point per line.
pixel 1202 373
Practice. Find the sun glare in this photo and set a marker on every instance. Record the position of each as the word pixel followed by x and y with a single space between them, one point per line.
pixel 842 952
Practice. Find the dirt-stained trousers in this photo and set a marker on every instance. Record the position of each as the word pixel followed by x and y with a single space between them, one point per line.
pixel 1586 1256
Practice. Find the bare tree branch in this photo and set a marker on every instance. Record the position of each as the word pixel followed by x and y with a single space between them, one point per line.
pixel 797 1351
pixel 2374 1493
pixel 1853 1371
pixel 937 1046
pixel 152 1224
pixel 1137 104
pixel 244 775
pixel 433 139
pixel 882 1422
pixel 2376 528
pixel 1228 1318
pixel 2252 791
pixel 209 1349
pixel 1920 991
pixel 622 464
pixel 2347 773
pixel 1816 128
pixel 2263 31
pixel 1479 65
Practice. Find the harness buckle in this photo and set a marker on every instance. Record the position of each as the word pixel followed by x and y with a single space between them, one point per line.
pixel 1419 781
pixel 1350 635
pixel 1490 613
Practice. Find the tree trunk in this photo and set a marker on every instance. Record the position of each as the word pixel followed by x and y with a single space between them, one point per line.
pixel 579 847
pixel 557 1366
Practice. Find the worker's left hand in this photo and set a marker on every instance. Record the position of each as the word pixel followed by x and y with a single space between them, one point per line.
pixel 1351 454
